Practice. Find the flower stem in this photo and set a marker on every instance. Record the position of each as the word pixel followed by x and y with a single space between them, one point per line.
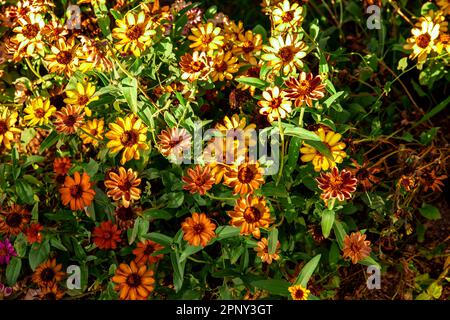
pixel 32 69
pixel 300 120
pixel 282 151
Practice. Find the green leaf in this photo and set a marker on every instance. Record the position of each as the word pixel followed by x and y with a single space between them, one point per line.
pixel 159 238
pixel 188 251
pixel 254 82
pixel 225 232
pixel 430 212
pixel 307 271
pixel 13 270
pixel 178 271
pixel 441 106
pixel 402 64
pixel 25 191
pixel 129 90
pixel 51 139
pixel 327 222
pixel 321 147
pixel 369 261
pixel 327 103
pixel 273 240
pixel 293 155
pixel 38 253
pixel 340 233
pixel 301 133
pixel 435 290
pixel 277 287
pixel 156 214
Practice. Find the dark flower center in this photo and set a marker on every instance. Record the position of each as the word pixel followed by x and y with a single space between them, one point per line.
pixel 252 215
pixel 248 46
pixel 3 127
pixel 39 113
pixel 423 40
pixel 30 30
pixel 134 280
pixel 14 220
pixel 125 185
pixel 197 66
pixel 304 87
pixel 64 57
pixel 246 175
pixel 149 249
pixel 299 294
pixel 286 54
pixel 253 72
pixel 129 138
pixel 82 100
pixel 76 191
pixel 134 32
pixel 70 120
pixel 47 274
pixel 206 39
pixel 198 228
pixel 288 16
pixel 125 214
pixel 107 235
pixel 221 67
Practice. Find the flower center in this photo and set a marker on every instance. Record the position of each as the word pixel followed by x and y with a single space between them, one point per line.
pixel 3 252
pixel 252 215
pixel 3 127
pixel 134 32
pixel 286 54
pixel 107 235
pixel 336 182
pixel 299 294
pixel 64 57
pixel 304 87
pixel 275 103
pixel 30 30
pixel 423 40
pixel 149 250
pixel 245 175
pixel 125 214
pixel 125 185
pixel 221 67
pixel 196 66
pixel 206 39
pixel 70 120
pixel 129 138
pixel 134 280
pixel 288 16
pixel 14 220
pixel 253 72
pixel 248 46
pixel 82 100
pixel 198 228
pixel 47 274
pixel 39 113
pixel 76 191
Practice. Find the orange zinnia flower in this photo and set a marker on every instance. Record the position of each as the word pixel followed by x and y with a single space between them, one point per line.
pixel 77 191
pixel 51 293
pixel 48 273
pixel 174 141
pixel 124 186
pixel 356 247
pixel 262 249
pixel 69 119
pixel 305 89
pixel 198 180
pixel 250 214
pixel 144 252
pixel 33 233
pixel 61 166
pixel 106 235
pixel 337 185
pixel 14 219
pixel 198 229
pixel 245 178
pixel 133 282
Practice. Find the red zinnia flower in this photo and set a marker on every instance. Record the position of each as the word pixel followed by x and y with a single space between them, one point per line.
pixel 106 235
pixel 337 185
pixel 33 233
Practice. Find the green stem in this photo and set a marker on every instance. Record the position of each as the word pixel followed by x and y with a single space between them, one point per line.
pixel 331 205
pixel 300 120
pixel 282 151
pixel 218 198
pixel 33 70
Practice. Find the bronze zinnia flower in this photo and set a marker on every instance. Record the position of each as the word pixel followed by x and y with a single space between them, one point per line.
pixel 356 247
pixel 337 185
pixel 123 186
pixel 198 180
pixel 305 89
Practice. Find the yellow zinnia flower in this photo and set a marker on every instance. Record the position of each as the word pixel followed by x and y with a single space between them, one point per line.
pixel 298 292
pixel 135 32
pixel 319 161
pixel 129 134
pixel 82 96
pixel 286 16
pixel 285 54
pixel 92 131
pixel 249 45
pixel 65 57
pixel 39 111
pixel 422 43
pixel 225 64
pixel 275 105
pixel 28 36
pixel 206 38
pixel 7 129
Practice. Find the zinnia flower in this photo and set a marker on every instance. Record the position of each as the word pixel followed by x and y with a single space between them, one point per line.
pixel 6 251
pixel 206 37
pixel 92 131
pixel 106 235
pixel 77 191
pixel 69 119
pixel 305 89
pixel 197 66
pixel 244 178
pixel 39 111
pixel 319 161
pixel 65 57
pixel 145 250
pixel 33 233
pixel 51 293
pixel 28 36
pixel 337 185
pixel 135 32
pixel 422 43
pixel 123 186
pixel 286 16
pixel 61 166
pixel 262 249
pixel 224 66
pixel 125 217
pixel 7 127
pixel 14 220
pixel 133 282
pixel 250 214
pixel 248 46
pixel 275 105
pixel 365 174
pixel 285 54
pixel 48 273
pixel 198 180
pixel 198 229
pixel 82 96
pixel 129 134
pixel 356 247
pixel 299 293
pixel 430 180
pixel 174 142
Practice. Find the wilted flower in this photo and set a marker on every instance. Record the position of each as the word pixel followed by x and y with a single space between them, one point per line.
pixel 7 127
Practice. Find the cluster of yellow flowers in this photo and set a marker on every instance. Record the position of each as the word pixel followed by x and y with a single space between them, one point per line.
pixel 430 35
